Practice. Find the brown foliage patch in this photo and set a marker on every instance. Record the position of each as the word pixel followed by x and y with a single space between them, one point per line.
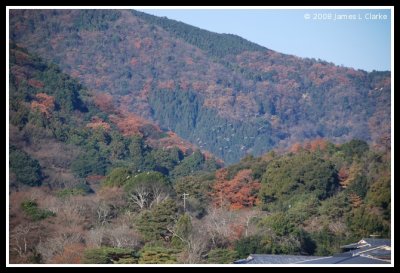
pixel 131 124
pixel 35 83
pixel 44 103
pixel 173 140
pixel 105 102
pixel 97 123
pixel 237 193
pixel 71 254
pixel 134 61
pixel 312 145
pixel 170 85
pixel 21 57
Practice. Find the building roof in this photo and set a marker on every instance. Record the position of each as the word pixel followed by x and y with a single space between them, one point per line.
pixel 366 251
pixel 368 242
pixel 378 248
pixel 379 253
pixel 274 259
pixel 372 251
pixel 345 259
pixel 376 242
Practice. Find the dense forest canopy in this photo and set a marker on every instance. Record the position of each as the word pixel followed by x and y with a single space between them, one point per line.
pixel 103 104
pixel 224 94
pixel 85 193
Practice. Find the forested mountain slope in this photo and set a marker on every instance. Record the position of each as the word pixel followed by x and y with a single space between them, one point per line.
pixel 93 184
pixel 99 173
pixel 219 91
pixel 76 135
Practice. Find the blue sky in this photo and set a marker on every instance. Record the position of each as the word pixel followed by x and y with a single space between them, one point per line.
pixel 360 43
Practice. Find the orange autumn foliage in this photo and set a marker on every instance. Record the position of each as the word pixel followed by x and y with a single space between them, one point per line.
pixel 130 124
pixel 355 200
pixel 105 102
pixel 312 145
pixel 98 123
pixel 343 177
pixel 318 144
pixel 173 140
pixel 44 103
pixel 295 148
pixel 237 193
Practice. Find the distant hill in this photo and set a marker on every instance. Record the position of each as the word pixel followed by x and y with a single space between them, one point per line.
pixel 108 111
pixel 220 92
pixel 62 135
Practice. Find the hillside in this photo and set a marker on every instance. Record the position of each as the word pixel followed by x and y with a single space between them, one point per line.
pixel 51 112
pixel 220 92
pixel 92 184
pixel 111 117
pixel 65 144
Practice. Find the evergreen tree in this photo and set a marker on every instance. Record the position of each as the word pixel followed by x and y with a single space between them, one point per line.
pixel 155 224
pixel 26 169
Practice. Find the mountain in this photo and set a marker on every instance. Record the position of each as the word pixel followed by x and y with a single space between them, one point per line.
pixel 219 91
pixel 108 111
pixel 61 135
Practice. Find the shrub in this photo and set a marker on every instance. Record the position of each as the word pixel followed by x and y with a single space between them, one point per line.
pixel 109 255
pixel 117 177
pixel 80 189
pixel 26 169
pixel 157 255
pixel 30 207
pixel 222 256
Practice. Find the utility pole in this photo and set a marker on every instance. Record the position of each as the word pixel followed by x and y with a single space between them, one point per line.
pixel 184 201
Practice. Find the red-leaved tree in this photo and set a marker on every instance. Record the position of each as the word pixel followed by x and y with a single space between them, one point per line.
pixel 237 193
